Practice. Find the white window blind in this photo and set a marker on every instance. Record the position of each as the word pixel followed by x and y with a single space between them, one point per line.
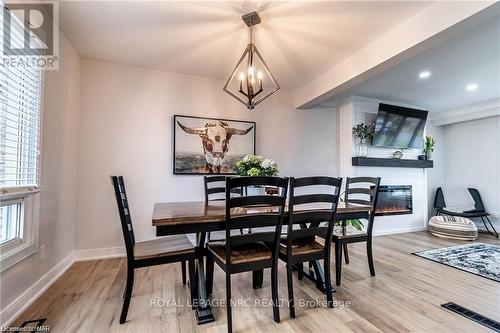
pixel 20 96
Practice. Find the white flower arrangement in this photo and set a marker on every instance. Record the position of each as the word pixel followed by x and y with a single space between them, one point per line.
pixel 252 165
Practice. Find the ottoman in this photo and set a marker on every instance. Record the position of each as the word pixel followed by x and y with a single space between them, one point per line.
pixel 452 227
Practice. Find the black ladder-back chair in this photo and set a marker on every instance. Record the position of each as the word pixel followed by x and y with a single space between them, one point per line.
pixel 300 244
pixel 479 210
pixel 212 188
pixel 159 251
pixel 251 251
pixel 439 202
pixel 215 190
pixel 366 194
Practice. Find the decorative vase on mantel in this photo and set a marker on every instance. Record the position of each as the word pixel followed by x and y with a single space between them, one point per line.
pixel 362 133
pixel 361 147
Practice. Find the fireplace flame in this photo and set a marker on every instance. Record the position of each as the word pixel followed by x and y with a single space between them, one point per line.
pixel 392 210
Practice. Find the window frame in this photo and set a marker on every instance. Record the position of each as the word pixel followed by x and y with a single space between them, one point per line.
pixel 11 243
pixel 13 251
pixel 11 254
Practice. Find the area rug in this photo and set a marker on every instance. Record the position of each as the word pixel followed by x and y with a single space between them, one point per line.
pixel 476 258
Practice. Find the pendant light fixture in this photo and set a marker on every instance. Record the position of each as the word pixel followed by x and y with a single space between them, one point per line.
pixel 251 81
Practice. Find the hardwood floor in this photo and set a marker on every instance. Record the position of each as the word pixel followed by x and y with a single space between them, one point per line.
pixel 405 296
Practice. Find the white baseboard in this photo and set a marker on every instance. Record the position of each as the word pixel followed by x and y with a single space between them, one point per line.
pixel 97 254
pixel 18 306
pixel 399 231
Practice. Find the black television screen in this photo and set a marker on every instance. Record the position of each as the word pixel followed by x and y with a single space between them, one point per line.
pixel 399 127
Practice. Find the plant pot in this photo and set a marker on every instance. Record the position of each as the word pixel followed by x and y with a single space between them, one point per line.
pixel 428 156
pixel 256 190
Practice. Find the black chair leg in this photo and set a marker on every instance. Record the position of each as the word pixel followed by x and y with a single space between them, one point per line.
pixel 128 294
pixel 338 262
pixel 300 270
pixel 291 302
pixel 228 303
pixel 274 292
pixel 369 253
pixel 494 232
pixel 210 275
pixel 328 282
pixel 255 279
pixel 346 254
pixel 192 282
pixel 183 268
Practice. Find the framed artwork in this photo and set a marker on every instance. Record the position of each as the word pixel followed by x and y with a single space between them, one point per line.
pixel 210 145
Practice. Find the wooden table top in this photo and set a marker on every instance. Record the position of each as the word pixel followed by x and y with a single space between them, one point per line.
pixel 175 213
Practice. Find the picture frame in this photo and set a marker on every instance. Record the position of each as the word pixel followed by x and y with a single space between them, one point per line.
pixel 210 146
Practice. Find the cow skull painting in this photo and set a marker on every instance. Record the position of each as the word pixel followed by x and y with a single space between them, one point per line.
pixel 217 138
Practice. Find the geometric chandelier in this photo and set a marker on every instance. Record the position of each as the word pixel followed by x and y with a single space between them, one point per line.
pixel 251 81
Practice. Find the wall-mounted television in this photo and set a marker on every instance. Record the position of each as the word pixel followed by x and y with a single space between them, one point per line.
pixel 399 127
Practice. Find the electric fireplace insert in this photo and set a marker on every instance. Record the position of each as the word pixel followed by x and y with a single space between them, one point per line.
pixel 394 200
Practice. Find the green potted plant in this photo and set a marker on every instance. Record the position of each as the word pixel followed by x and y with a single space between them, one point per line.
pixel 363 132
pixel 252 165
pixel 429 146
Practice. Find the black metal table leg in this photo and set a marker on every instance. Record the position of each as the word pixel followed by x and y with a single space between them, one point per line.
pixel 314 272
pixel 203 310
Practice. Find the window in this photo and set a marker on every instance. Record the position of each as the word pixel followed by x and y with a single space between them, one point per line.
pixel 12 212
pixel 20 99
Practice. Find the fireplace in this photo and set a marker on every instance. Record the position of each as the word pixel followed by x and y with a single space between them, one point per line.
pixel 394 200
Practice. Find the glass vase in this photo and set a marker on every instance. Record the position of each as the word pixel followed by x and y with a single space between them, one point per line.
pixel 361 147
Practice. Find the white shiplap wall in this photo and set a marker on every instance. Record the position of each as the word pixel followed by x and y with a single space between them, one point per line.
pixel 359 109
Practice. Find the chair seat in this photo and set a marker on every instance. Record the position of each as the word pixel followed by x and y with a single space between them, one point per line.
pixel 303 247
pixel 467 214
pixel 349 232
pixel 241 253
pixel 163 247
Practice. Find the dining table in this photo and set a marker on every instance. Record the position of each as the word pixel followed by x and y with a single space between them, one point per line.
pixel 200 217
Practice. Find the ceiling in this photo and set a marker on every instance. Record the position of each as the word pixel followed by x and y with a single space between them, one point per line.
pixel 298 39
pixel 471 57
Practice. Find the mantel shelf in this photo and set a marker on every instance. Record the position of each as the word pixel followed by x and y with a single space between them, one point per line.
pixel 391 162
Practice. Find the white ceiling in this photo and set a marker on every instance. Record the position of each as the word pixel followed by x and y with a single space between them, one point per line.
pixel 471 57
pixel 298 39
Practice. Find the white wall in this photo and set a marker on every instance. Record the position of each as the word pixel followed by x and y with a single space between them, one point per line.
pixel 61 101
pixel 126 128
pixel 471 152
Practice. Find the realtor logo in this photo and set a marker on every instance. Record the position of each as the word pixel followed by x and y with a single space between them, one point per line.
pixel 30 34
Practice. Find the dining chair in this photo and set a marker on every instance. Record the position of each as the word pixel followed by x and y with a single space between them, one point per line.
pixel 215 190
pixel 164 250
pixel 359 191
pixel 251 251
pixel 312 206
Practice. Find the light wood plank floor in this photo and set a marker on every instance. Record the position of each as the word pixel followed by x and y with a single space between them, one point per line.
pixel 405 296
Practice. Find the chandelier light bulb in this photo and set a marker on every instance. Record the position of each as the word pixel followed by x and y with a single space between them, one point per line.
pixel 259 75
pixel 242 76
pixel 250 71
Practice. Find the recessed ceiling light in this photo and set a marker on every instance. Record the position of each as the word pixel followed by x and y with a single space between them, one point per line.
pixel 472 87
pixel 424 74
